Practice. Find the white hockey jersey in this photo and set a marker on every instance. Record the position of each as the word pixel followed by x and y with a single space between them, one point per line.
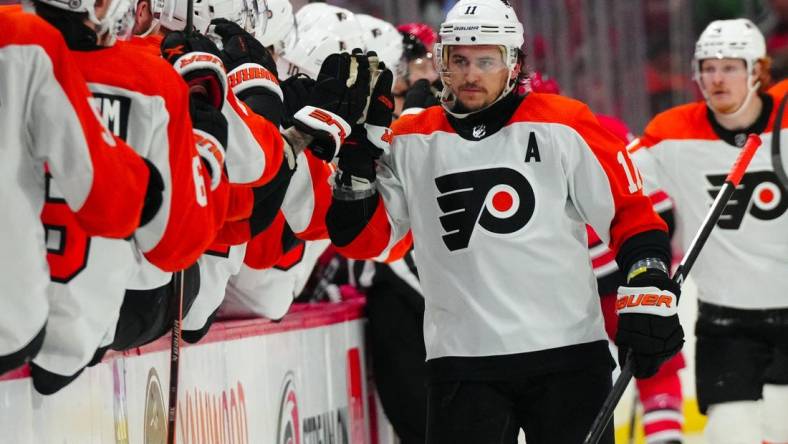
pixel 45 116
pixel 744 263
pixel 498 224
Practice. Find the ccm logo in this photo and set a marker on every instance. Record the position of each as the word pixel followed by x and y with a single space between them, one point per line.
pixel 251 73
pixel 328 119
pixel 644 300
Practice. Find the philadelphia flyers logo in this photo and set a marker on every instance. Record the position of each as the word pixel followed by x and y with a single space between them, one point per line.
pixel 499 200
pixel 760 193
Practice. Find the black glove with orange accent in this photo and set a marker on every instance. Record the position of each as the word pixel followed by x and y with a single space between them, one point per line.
pixel 197 59
pixel 337 101
pixel 648 321
pixel 378 114
pixel 251 71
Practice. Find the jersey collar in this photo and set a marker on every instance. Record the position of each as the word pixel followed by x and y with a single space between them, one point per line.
pixel 482 124
pixel 738 137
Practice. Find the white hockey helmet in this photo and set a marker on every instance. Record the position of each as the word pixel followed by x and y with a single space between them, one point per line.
pixel 171 14
pixel 104 24
pixel 321 30
pixel 481 22
pixel 383 38
pixel 279 24
pixel 241 12
pixel 121 16
pixel 731 39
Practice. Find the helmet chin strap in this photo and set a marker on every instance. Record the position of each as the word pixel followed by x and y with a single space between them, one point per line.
pixel 732 115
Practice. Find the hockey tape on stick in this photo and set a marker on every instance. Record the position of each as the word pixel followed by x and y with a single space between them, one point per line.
pixel 737 171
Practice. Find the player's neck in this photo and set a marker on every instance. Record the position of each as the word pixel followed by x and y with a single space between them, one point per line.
pixel 741 119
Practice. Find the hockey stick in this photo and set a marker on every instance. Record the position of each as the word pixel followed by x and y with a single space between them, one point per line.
pixel 777 158
pixel 176 306
pixel 633 419
pixel 731 182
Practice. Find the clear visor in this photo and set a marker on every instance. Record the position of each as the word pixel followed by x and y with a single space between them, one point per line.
pixel 464 59
pixel 458 62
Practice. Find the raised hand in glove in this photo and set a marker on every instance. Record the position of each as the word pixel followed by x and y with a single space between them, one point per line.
pixel 378 114
pixel 251 71
pixel 338 100
pixel 240 47
pixel 648 321
pixel 296 90
pixel 197 59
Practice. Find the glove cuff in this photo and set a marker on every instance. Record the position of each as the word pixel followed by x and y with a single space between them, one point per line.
pixel 250 75
pixel 324 125
pixel 349 187
pixel 646 300
pixel 195 61
pixel 212 153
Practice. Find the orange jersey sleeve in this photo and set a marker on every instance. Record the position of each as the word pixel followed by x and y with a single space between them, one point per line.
pixel 103 180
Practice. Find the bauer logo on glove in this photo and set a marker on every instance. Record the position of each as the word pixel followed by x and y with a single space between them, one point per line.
pixel 648 300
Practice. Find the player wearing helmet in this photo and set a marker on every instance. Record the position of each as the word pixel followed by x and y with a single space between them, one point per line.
pixel 102 181
pixel 743 307
pixel 418 41
pixel 151 111
pixel 383 38
pixel 496 188
pixel 322 30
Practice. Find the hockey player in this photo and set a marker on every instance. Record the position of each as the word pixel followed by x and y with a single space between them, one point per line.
pixel 103 182
pixel 742 303
pixel 150 111
pixel 278 261
pixel 305 200
pixel 497 189
pixel 418 40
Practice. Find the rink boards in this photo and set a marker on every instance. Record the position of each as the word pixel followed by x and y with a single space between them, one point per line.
pixel 303 380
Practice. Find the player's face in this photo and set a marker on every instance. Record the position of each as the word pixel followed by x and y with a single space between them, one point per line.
pixel 725 83
pixel 476 74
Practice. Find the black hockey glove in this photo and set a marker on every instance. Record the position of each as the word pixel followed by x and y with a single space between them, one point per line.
pixel 296 90
pixel 251 71
pixel 378 115
pixel 197 59
pixel 355 176
pixel 239 47
pixel 338 100
pixel 648 321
